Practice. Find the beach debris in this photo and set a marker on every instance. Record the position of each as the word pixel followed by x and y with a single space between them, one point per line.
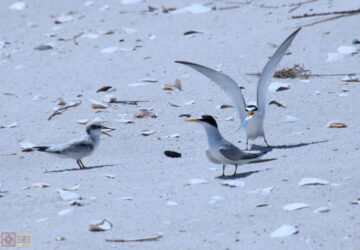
pixel 61 109
pixel 215 199
pixel 126 198
pixel 347 50
pixel 322 210
pixel 18 6
pixel 180 105
pixel 147 132
pixel 284 231
pixel 224 106
pixel 88 3
pixel 170 136
pixel 351 78
pixel 43 47
pixel 39 98
pixel 295 206
pixel 98 105
pixel 104 7
pixel 83 121
pixel 150 238
pixel 273 102
pixel 167 9
pixel 12 125
pixel 61 102
pixel 68 195
pixel 294 72
pixel 26 146
pixel 198 181
pixel 110 176
pixel 60 238
pixel 172 154
pixel 73 188
pixel 171 203
pixel 233 183
pixel 65 211
pixel 63 19
pixel 104 89
pixel 262 205
pixel 290 119
pixel 194 8
pixel 123 120
pixel 142 82
pixel 229 118
pixel 192 32
pixel 357 202
pixel 76 203
pixel 278 86
pixel 176 85
pixel 40 185
pixel 185 115
pixel 145 113
pixel 336 124
pixel 97 226
pixel 312 181
pixel 110 50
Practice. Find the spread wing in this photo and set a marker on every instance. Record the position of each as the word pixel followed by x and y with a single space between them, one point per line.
pixel 269 70
pixel 226 83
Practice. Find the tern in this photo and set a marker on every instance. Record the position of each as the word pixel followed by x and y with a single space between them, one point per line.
pixel 80 148
pixel 221 151
pixel 254 127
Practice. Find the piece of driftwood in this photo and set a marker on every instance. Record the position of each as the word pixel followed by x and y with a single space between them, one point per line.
pixel 60 110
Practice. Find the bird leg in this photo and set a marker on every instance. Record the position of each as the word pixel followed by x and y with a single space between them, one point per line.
pixel 247 144
pixel 223 170
pixel 78 162
pixel 82 164
pixel 267 144
pixel 235 169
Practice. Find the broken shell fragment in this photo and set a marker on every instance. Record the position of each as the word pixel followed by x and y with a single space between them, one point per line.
pixel 336 124
pixel 144 113
pixel 103 225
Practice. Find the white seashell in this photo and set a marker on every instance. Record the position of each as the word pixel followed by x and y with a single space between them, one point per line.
pixel 334 57
pixel 295 206
pixel 65 211
pixel 195 8
pixel 171 203
pixel 68 195
pixel 111 49
pixel 18 6
pixel 198 181
pixel 290 119
pixel 312 181
pixel 321 210
pixel 83 121
pixel 284 231
pixel 74 188
pixel 111 176
pixel 102 225
pixel 88 3
pixel 40 185
pixel 347 50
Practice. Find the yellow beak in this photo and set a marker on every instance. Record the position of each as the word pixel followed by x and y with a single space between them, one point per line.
pixel 250 113
pixel 192 120
pixel 106 132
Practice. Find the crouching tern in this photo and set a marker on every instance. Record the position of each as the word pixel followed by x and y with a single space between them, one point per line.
pixel 80 148
pixel 254 127
pixel 221 151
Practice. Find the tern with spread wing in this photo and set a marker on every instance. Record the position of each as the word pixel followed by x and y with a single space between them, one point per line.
pixel 80 148
pixel 254 127
pixel 221 151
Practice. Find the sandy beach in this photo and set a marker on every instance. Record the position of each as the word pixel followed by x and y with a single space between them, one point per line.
pixel 53 50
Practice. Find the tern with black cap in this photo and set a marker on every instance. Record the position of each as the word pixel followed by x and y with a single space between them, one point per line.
pixel 221 151
pixel 80 148
pixel 254 127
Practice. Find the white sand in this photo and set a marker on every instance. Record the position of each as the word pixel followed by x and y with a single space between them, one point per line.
pixel 237 41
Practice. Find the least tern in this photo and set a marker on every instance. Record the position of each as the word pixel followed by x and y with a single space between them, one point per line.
pixel 221 151
pixel 80 148
pixel 254 127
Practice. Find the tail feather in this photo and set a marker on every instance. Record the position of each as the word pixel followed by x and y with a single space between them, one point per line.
pixel 255 155
pixel 41 148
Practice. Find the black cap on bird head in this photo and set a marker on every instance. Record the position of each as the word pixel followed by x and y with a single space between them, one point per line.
pixel 209 119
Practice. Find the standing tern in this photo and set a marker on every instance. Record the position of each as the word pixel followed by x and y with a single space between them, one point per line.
pixel 255 126
pixel 80 148
pixel 221 151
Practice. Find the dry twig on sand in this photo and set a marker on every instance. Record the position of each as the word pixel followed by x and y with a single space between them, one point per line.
pixel 60 110
pixel 152 238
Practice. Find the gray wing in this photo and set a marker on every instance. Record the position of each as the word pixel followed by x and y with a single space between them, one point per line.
pixel 269 70
pixel 80 147
pixel 235 154
pixel 226 83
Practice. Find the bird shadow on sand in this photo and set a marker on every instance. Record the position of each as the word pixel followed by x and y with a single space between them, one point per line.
pixel 303 144
pixel 78 169
pixel 239 175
